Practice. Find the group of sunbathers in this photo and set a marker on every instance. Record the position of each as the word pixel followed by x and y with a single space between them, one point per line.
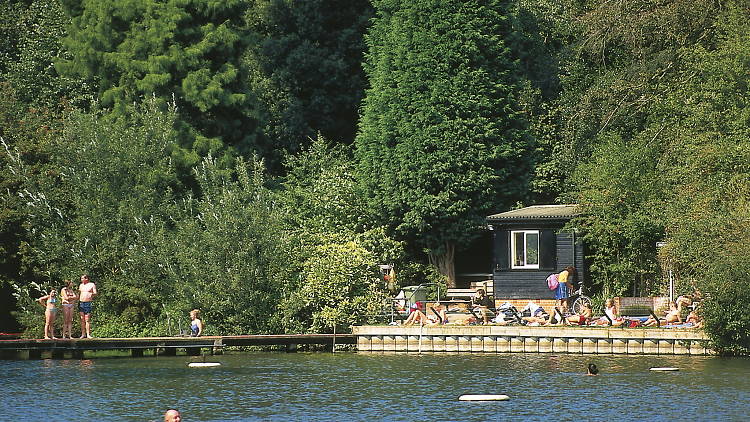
pixel 673 317
pixel 535 315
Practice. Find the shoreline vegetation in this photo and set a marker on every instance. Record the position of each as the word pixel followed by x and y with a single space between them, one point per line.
pixel 259 160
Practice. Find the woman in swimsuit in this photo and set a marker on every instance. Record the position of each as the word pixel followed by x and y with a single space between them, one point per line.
pixel 196 325
pixel 50 303
pixel 612 315
pixel 419 317
pixel 672 316
pixel 69 298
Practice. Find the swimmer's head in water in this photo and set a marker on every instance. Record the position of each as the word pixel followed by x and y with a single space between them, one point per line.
pixel 593 370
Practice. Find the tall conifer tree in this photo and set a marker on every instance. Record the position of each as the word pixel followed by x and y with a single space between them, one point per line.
pixel 187 49
pixel 442 140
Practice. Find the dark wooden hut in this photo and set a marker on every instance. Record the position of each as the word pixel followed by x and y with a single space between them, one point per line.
pixel 528 245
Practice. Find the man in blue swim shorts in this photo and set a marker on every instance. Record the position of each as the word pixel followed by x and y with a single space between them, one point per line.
pixel 87 291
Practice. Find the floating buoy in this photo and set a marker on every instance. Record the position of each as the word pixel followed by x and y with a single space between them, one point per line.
pixel 202 364
pixel 483 397
pixel 665 369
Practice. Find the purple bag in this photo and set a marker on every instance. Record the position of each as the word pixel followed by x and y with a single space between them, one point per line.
pixel 552 281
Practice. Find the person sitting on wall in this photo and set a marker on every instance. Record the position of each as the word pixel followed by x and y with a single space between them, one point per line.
pixel 481 303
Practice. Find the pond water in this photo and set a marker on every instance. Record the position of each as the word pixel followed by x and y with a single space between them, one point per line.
pixel 359 387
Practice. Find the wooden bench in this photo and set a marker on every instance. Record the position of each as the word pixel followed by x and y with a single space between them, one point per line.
pixel 460 294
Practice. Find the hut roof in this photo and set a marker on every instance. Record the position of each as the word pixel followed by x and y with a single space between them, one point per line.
pixel 536 212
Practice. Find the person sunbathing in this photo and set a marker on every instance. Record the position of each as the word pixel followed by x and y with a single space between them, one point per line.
pixel 611 315
pixel 695 319
pixel 671 317
pixel 538 317
pixel 583 317
pixel 419 317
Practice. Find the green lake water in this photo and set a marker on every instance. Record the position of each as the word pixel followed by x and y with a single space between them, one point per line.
pixel 373 387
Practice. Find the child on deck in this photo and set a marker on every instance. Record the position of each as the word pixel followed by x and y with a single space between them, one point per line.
pixel 582 318
pixel 69 297
pixel 50 304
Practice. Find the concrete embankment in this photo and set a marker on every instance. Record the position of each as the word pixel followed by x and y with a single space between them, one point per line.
pixel 521 339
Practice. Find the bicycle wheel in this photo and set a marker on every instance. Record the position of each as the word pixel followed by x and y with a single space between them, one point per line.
pixel 579 302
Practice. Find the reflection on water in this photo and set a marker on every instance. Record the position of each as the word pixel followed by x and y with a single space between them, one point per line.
pixel 400 387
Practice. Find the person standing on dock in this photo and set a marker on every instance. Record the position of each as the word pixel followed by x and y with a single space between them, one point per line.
pixel 564 287
pixel 87 291
pixel 68 297
pixel 50 305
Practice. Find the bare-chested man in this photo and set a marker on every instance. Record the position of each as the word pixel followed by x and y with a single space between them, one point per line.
pixel 87 291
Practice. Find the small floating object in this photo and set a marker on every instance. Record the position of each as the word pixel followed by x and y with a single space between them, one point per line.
pixel 484 397
pixel 203 364
pixel 665 369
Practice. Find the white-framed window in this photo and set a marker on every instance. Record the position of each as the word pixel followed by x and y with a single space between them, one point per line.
pixel 524 248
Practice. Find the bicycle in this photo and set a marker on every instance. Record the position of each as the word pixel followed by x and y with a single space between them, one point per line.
pixel 578 300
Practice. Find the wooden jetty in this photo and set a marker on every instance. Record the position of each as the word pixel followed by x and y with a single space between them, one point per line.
pixel 164 345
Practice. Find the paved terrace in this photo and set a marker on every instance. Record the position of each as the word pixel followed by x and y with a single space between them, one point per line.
pixel 520 339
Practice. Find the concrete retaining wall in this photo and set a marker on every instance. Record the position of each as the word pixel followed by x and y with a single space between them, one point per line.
pixel 503 339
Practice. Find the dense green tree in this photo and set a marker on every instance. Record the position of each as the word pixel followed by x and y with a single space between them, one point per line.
pixel 24 134
pixel 708 223
pixel 305 64
pixel 230 254
pixel 185 50
pixel 615 122
pixel 622 193
pixel 101 207
pixel 543 44
pixel 10 32
pixel 680 168
pixel 339 281
pixel 32 98
pixel 623 61
pixel 442 140
pixel 28 67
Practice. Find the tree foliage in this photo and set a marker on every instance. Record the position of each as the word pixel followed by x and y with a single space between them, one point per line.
pixel 635 109
pixel 305 65
pixel 185 50
pixel 339 281
pixel 99 208
pixel 230 254
pixel 682 170
pixel 28 66
pixel 442 140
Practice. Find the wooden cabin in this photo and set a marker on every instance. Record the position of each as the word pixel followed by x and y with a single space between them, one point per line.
pixel 528 245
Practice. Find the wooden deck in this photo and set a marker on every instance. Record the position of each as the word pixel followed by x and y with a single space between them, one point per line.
pixel 168 345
